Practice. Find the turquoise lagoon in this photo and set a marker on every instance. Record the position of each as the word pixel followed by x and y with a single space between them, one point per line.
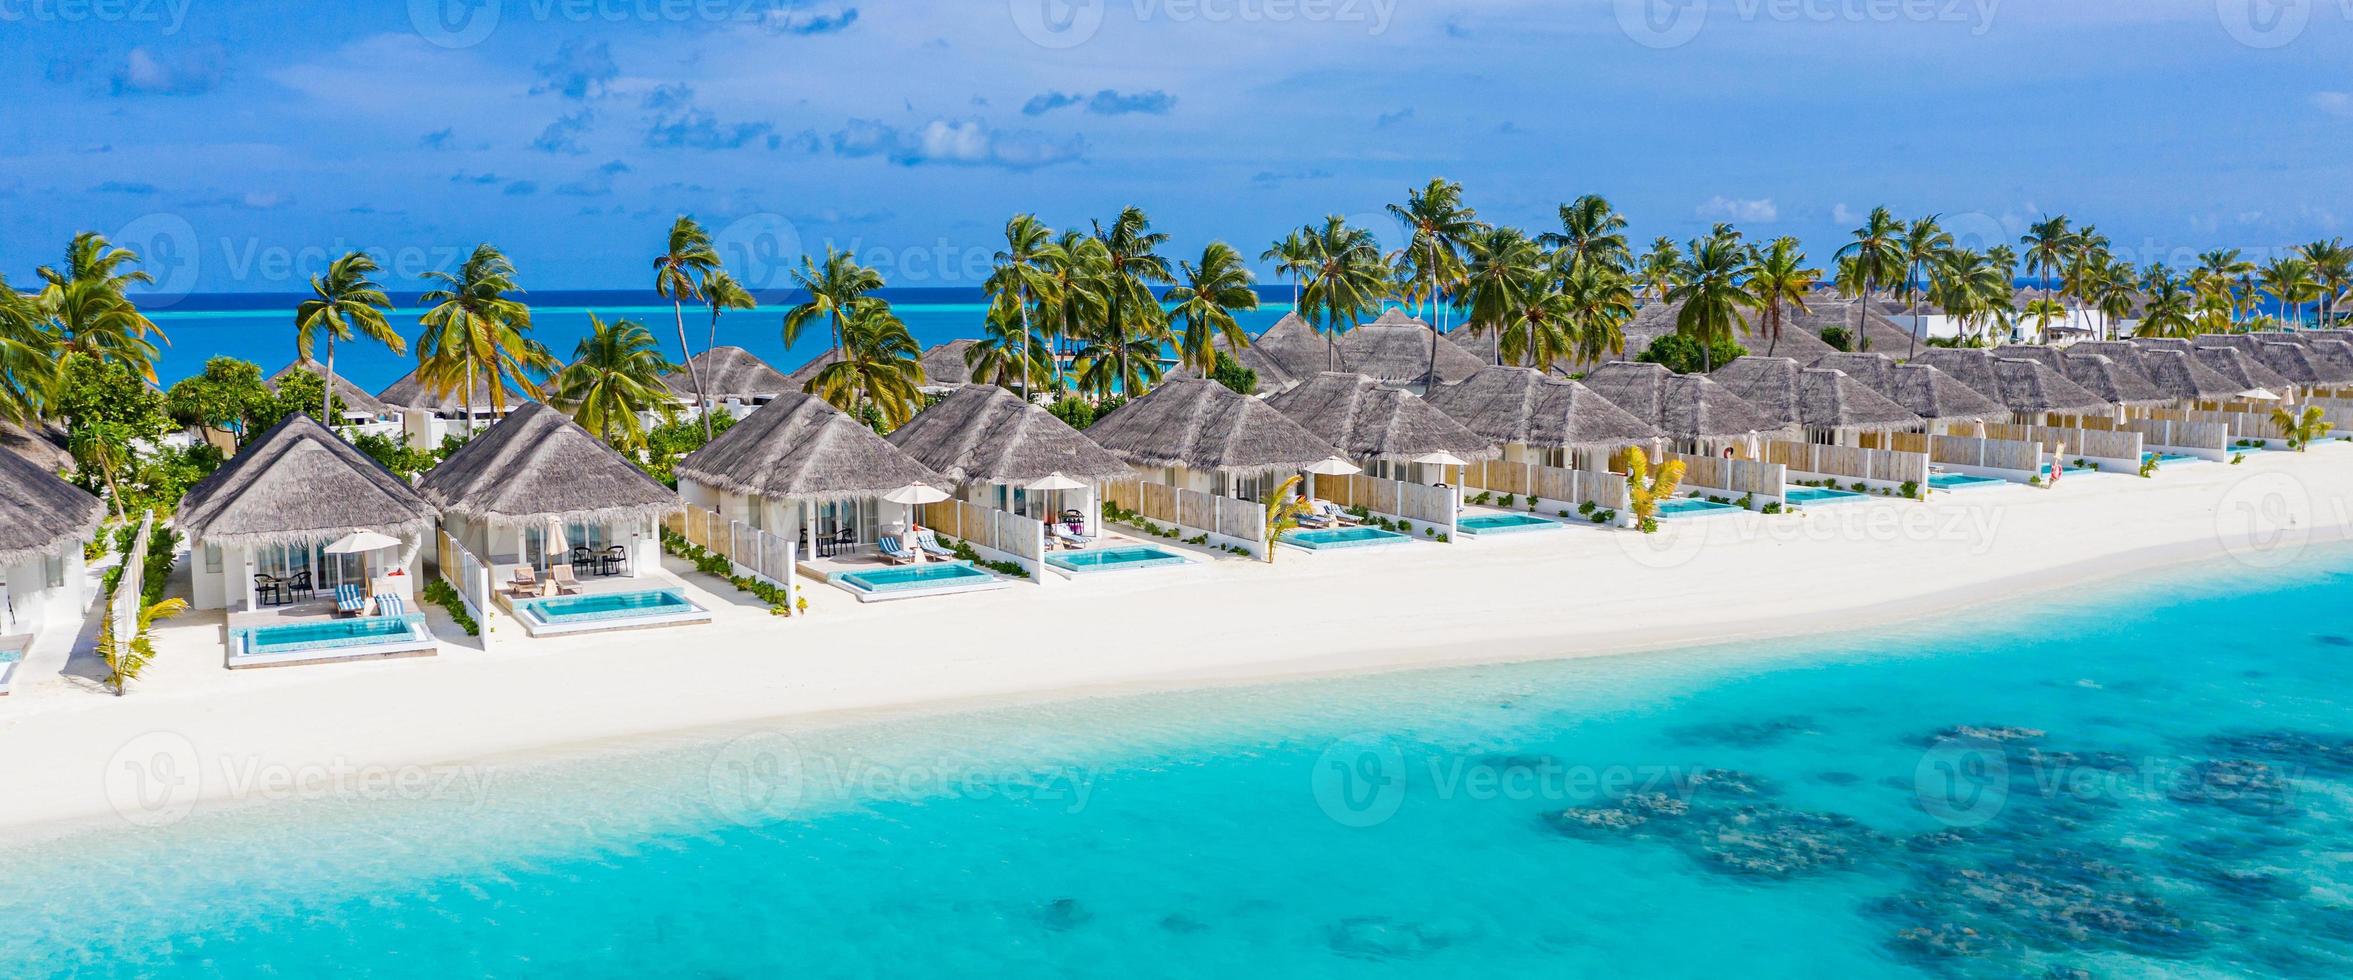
pixel 2149 782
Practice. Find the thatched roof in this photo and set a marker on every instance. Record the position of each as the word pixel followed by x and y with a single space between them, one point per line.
pixel 1922 390
pixel 1370 421
pixel 1394 349
pixel 43 447
pixel 944 367
pixel 2299 364
pixel 300 484
pixel 1202 425
pixel 355 398
pixel 1684 406
pixel 800 448
pixel 40 515
pixel 728 372
pixel 1271 376
pixel 1523 405
pixel 2242 369
pixel 536 464
pixel 986 434
pixel 1815 397
pixel 2116 382
pixel 2021 385
pixel 1801 332
pixel 408 392
pixel 800 377
pixel 2335 355
pixel 2175 372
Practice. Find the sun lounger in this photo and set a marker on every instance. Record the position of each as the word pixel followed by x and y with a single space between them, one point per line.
pixel 894 549
pixel 525 585
pixel 1070 538
pixel 560 576
pixel 349 600
pixel 388 604
pixel 930 543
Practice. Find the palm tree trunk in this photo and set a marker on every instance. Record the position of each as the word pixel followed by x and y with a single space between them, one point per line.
pixel 693 374
pixel 1025 345
pixel 327 397
pixel 1430 379
pixel 1914 347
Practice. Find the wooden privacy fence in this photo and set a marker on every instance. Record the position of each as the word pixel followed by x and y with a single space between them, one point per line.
pixel 987 527
pixel 1889 466
pixel 2024 458
pixel 763 554
pixel 1242 523
pixel 130 590
pixel 1420 503
pixel 2235 425
pixel 2121 448
pixel 1554 483
pixel 1735 476
pixel 2175 434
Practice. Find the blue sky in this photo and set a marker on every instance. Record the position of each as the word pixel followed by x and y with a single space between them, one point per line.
pixel 250 141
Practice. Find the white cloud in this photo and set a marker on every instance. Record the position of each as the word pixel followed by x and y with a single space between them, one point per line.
pixel 1721 208
pixel 1840 214
pixel 2338 104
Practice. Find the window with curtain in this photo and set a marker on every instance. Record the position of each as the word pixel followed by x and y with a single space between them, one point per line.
pixel 54 568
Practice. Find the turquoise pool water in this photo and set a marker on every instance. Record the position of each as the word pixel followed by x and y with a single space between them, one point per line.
pixel 333 634
pixel 1821 495
pixel 1960 481
pixel 609 606
pixel 929 575
pixel 1114 559
pixel 2152 782
pixel 1329 538
pixel 1683 506
pixel 1504 523
pixel 2164 458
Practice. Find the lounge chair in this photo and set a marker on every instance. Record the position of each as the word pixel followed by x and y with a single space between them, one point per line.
pixel 349 600
pixel 1070 538
pixel 525 585
pixel 893 549
pixel 1332 512
pixel 560 576
pixel 930 543
pixel 389 604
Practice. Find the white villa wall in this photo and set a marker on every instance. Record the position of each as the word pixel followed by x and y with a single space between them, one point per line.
pixel 29 604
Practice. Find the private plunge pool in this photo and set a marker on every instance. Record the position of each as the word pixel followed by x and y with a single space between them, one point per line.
pixel 912 581
pixel 1340 538
pixel 1485 524
pixel 559 615
pixel 1820 495
pixel 1695 507
pixel 330 639
pixel 1962 481
pixel 1116 559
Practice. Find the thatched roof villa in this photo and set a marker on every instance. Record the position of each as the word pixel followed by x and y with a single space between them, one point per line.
pixel 1393 348
pixel 2117 382
pixel 2027 388
pixel 1201 435
pixel 1691 408
pixel 359 407
pixel 798 463
pixel 1530 413
pixel 732 377
pixel 1823 401
pixel 1369 421
pixel 994 446
pixel 44 521
pixel 1921 389
pixel 501 492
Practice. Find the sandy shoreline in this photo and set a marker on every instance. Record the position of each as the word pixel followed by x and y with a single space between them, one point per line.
pixel 72 758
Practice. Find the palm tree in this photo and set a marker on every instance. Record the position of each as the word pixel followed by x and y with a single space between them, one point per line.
pixel 1591 231
pixel 2044 310
pixel 1972 289
pixel 1291 259
pixel 835 289
pixel 1878 254
pixel 881 366
pixel 344 303
pixel 1711 294
pixel 126 659
pixel 1924 245
pixel 615 378
pixel 2301 431
pixel 1599 298
pixel 2332 266
pixel 1205 298
pixel 1507 271
pixel 1646 490
pixel 2048 243
pixel 1660 268
pixel 1349 279
pixel 2116 290
pixel 88 301
pixel 1284 509
pixel 722 292
pixel 1021 278
pixel 688 258
pixel 105 447
pixel 1007 355
pixel 1437 224
pixel 2170 311
pixel 2292 282
pixel 1075 269
pixel 1778 278
pixel 2218 270
pixel 2086 272
pixel 29 351
pixel 1133 320
pixel 475 328
pixel 1114 363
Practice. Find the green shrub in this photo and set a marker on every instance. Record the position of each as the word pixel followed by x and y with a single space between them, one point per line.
pixel 1587 507
pixel 1772 507
pixel 441 593
pixel 1911 489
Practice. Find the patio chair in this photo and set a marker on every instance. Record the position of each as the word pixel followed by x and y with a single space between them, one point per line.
pixel 525 585
pixel 930 543
pixel 300 583
pixel 561 577
pixel 268 589
pixel 581 556
pixel 893 549
pixel 614 559
pixel 1070 538
pixel 349 600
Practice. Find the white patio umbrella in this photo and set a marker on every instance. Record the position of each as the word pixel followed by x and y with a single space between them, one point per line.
pixel 362 543
pixel 1056 484
pixel 552 542
pixel 914 494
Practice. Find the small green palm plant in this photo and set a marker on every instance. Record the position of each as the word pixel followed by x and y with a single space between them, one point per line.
pixel 2303 430
pixel 124 661
pixel 1648 489
pixel 1283 513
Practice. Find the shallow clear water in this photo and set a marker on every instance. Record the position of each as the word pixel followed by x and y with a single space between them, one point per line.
pixel 1692 505
pixel 1105 559
pixel 886 579
pixel 610 605
pixel 1343 537
pixel 1954 481
pixel 1504 522
pixel 329 633
pixel 2154 784
pixel 1820 495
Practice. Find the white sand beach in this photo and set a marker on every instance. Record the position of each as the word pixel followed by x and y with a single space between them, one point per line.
pixel 1572 593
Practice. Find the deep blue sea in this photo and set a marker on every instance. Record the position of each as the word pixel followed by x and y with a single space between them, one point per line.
pixel 2146 779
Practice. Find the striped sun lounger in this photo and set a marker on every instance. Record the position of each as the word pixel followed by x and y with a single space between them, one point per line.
pixel 389 604
pixel 349 599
